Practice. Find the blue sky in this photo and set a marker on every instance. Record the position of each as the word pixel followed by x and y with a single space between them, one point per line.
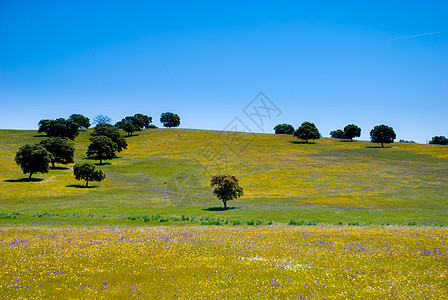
pixel 329 62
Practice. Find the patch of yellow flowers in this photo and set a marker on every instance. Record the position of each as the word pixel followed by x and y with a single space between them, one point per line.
pixel 272 262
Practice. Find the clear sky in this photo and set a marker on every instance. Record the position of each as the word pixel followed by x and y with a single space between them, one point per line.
pixel 328 62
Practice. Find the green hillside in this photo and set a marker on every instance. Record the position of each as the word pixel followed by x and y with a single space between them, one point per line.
pixel 164 175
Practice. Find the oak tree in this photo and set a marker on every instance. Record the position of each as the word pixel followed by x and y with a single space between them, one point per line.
pixel 88 172
pixel 382 134
pixel 33 159
pixel 307 131
pixel 60 150
pixel 226 188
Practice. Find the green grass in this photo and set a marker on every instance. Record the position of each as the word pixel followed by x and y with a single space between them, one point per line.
pixel 165 172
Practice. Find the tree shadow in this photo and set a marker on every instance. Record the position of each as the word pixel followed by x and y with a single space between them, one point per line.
pixel 378 147
pixel 59 168
pixel 82 186
pixel 24 180
pixel 98 164
pixel 302 142
pixel 40 135
pixel 130 136
pixel 218 208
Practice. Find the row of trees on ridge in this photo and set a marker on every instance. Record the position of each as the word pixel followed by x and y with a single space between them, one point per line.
pixel 381 134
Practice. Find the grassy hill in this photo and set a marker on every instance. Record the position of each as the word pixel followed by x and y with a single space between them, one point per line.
pixel 164 176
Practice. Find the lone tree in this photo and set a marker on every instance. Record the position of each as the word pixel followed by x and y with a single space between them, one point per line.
pixel 101 119
pixel 337 134
pixel 351 131
pixel 33 159
pixel 169 119
pixel 307 131
pixel 129 128
pixel 284 129
pixel 61 151
pixel 82 121
pixel 439 140
pixel 59 128
pixel 88 172
pixel 382 134
pixel 101 147
pixel 227 188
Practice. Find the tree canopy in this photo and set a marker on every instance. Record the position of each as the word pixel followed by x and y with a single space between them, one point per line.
pixel 284 129
pixel 139 121
pixel 168 119
pixel 351 131
pixel 111 132
pixel 101 147
pixel 60 150
pixel 226 188
pixel 33 159
pixel 307 131
pixel 337 134
pixel 59 128
pixel 147 120
pixel 439 140
pixel 129 128
pixel 382 134
pixel 81 120
pixel 88 172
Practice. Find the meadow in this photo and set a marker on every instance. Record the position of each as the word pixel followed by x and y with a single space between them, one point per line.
pixel 163 177
pixel 329 219
pixel 224 262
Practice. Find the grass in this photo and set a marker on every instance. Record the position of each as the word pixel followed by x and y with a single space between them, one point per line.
pixel 166 172
pixel 217 262
pixel 317 220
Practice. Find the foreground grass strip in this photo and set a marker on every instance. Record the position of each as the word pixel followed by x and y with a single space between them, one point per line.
pixel 224 262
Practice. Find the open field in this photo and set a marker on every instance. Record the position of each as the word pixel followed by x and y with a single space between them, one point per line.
pixel 216 262
pixel 59 239
pixel 164 175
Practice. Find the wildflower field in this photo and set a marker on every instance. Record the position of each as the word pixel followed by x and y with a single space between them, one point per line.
pixel 217 262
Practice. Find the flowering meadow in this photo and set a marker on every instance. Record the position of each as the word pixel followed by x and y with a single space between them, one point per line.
pixel 217 262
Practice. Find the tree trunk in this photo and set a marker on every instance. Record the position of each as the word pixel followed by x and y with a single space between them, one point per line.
pixel 101 161
pixel 87 183
pixel 225 203
pixel 31 173
pixel 52 163
pixel 382 145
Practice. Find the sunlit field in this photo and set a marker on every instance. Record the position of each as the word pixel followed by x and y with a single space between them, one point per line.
pixel 166 172
pixel 317 220
pixel 213 262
